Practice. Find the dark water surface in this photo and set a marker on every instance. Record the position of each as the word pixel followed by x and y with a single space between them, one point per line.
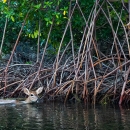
pixel 57 116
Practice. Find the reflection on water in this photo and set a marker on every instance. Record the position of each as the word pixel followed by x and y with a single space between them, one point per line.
pixel 56 116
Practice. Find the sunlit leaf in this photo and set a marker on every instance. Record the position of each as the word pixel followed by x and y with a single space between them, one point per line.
pixel 32 35
pixel 12 18
pixel 65 17
pixel 50 22
pixel 4 1
pixel 37 6
pixel 57 16
pixel 64 12
pixel 36 34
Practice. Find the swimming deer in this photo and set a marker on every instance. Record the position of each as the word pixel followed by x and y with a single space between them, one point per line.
pixel 32 97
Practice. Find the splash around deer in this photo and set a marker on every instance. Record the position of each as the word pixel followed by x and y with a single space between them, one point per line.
pixel 32 97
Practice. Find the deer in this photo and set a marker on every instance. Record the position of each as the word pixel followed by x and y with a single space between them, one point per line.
pixel 32 97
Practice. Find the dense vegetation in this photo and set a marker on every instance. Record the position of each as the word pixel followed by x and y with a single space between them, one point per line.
pixel 77 50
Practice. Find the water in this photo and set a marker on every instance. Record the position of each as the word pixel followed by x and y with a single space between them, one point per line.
pixel 57 116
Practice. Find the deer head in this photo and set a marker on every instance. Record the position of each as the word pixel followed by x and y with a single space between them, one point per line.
pixel 32 95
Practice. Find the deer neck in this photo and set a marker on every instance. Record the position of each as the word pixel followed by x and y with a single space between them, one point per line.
pixel 27 101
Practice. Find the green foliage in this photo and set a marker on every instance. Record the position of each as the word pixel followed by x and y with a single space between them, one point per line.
pixel 104 30
pixel 50 12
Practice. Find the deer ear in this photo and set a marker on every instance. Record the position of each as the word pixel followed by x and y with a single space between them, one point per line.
pixel 39 90
pixel 26 91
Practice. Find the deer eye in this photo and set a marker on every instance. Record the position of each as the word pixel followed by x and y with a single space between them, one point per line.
pixel 31 94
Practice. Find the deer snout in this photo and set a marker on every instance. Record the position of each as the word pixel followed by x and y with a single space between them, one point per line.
pixel 33 98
